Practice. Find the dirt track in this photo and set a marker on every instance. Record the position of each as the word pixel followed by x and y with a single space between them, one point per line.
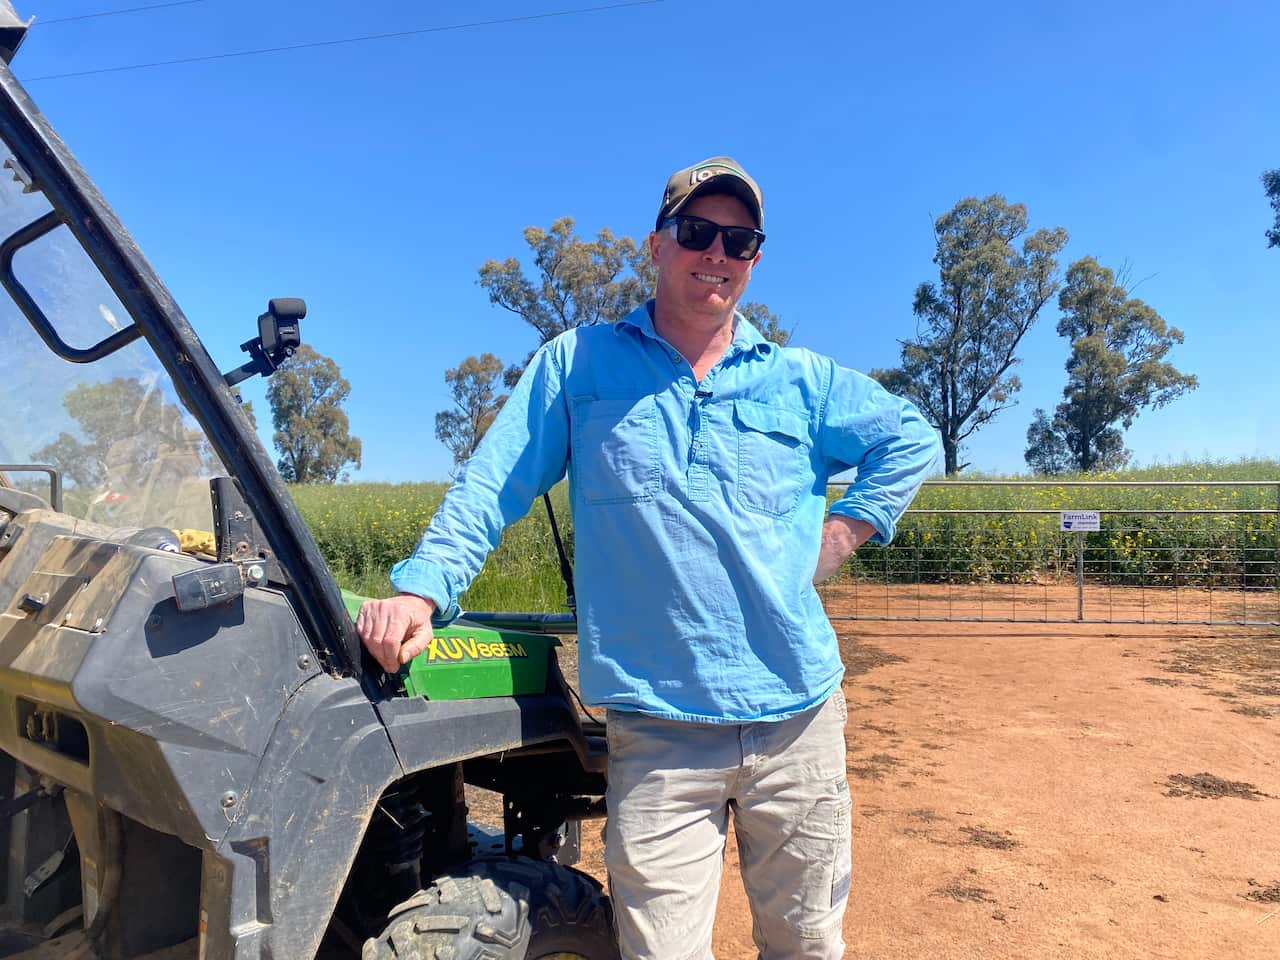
pixel 1050 790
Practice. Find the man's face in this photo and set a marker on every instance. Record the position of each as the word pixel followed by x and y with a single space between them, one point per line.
pixel 707 282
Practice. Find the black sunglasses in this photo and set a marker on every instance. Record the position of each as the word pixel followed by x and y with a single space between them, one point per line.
pixel 695 233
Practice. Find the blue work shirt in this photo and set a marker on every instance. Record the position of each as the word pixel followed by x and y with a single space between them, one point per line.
pixel 697 510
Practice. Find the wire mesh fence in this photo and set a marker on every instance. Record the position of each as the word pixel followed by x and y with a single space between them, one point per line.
pixel 1152 552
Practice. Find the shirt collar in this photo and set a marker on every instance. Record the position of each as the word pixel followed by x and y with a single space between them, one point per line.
pixel 746 338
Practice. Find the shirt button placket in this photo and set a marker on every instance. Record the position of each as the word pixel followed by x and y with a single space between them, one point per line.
pixel 699 470
pixel 699 488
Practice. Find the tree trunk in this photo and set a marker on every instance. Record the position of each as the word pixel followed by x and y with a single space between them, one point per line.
pixel 951 455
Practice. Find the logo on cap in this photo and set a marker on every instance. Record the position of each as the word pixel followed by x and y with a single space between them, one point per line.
pixel 701 174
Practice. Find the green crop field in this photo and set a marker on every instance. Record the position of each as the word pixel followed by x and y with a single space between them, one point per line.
pixel 364 529
pixel 1174 545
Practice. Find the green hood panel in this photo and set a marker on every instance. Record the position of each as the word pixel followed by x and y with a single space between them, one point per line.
pixel 466 662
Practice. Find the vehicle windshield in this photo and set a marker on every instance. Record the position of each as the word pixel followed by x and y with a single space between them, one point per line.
pixel 129 454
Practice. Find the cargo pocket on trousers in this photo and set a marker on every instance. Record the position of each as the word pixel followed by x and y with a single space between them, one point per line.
pixel 842 874
pixel 828 843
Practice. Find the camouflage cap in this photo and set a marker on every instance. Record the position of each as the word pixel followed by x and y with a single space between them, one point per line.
pixel 725 174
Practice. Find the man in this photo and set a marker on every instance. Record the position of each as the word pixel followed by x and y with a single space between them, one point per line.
pixel 698 455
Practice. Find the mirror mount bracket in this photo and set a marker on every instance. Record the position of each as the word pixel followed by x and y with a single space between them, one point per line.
pixel 277 339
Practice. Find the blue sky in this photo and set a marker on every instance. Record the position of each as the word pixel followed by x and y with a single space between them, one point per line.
pixel 374 178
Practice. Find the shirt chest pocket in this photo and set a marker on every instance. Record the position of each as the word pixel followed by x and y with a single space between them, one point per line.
pixel 773 457
pixel 615 449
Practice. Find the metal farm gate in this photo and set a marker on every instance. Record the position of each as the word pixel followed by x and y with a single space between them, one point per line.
pixel 1203 552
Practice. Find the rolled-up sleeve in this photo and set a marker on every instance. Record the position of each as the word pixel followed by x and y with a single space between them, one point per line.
pixel 885 438
pixel 523 454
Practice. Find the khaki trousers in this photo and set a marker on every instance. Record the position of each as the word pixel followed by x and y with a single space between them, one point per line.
pixel 671 787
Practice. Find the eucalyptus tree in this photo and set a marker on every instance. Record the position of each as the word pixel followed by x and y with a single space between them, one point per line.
pixel 1271 184
pixel 994 279
pixel 312 432
pixel 1118 365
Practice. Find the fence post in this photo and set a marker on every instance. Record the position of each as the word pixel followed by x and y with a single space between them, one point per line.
pixel 1079 575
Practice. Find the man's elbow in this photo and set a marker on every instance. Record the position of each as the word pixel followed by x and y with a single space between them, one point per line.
pixel 926 443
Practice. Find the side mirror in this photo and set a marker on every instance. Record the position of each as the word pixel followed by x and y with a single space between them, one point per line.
pixel 278 327
pixel 278 336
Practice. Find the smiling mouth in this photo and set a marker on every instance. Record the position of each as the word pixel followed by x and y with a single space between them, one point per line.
pixel 710 278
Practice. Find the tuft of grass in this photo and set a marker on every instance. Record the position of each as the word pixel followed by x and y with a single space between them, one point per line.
pixel 963 893
pixel 982 837
pixel 1206 786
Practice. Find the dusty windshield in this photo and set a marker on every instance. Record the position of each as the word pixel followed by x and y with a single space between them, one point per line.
pixel 128 453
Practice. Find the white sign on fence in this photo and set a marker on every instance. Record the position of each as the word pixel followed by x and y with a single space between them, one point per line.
pixel 1080 521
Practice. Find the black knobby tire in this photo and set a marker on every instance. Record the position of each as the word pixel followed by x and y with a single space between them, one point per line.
pixel 570 917
pixel 501 909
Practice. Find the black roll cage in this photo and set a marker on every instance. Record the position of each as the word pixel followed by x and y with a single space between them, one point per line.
pixel 78 205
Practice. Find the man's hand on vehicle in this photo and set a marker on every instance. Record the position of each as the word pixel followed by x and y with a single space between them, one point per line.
pixel 840 537
pixel 395 630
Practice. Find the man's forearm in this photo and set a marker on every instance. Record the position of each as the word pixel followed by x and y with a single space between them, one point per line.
pixel 840 537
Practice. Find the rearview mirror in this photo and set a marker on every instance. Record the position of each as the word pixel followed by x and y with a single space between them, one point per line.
pixel 278 336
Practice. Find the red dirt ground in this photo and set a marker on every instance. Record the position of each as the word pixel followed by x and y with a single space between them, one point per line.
pixel 1053 790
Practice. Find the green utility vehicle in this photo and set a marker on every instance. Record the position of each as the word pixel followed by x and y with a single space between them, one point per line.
pixel 197 759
